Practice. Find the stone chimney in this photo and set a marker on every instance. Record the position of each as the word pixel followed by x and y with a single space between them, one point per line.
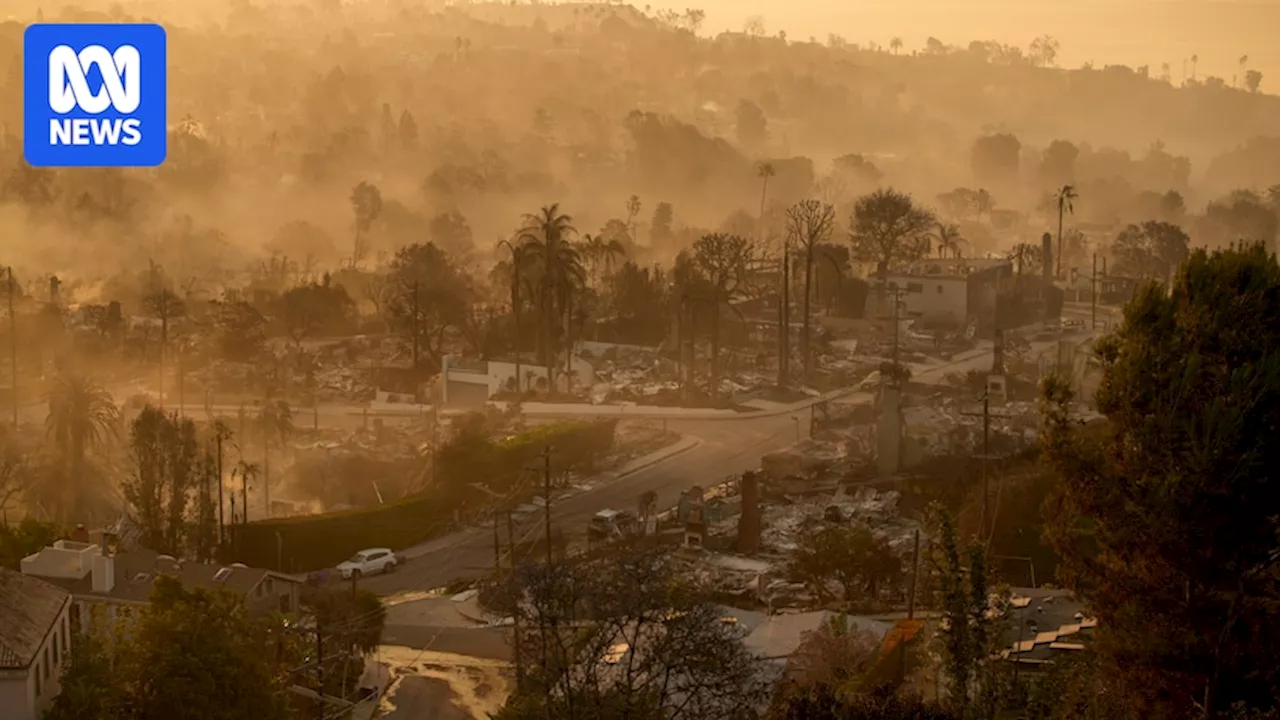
pixel 104 573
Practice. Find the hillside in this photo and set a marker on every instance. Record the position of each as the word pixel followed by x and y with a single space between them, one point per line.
pixel 511 107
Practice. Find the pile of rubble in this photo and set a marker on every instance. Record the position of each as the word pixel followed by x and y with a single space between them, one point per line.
pixel 783 524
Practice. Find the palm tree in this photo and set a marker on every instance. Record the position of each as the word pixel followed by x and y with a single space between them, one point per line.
pixel 82 414
pixel 601 253
pixel 895 44
pixel 948 238
pixel 556 266
pixel 983 203
pixel 276 421
pixel 518 287
pixel 1065 197
pixel 765 171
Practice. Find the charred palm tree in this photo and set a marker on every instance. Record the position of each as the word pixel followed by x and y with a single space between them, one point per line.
pixel 555 267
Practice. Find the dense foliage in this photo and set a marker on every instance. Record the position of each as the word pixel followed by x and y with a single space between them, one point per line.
pixel 1167 523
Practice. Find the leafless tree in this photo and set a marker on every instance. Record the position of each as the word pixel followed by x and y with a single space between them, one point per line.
pixel 809 224
pixel 722 261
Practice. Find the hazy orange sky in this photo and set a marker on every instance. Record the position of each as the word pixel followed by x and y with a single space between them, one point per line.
pixel 1129 32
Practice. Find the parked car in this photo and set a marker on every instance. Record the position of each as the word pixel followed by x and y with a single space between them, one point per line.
pixel 610 524
pixel 368 562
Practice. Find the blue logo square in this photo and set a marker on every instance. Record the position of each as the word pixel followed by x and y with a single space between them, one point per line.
pixel 94 95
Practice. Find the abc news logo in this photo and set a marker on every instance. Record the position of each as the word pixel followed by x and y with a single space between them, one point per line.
pixel 69 89
pixel 94 95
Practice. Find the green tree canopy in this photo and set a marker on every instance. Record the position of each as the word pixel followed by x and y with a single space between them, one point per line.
pixel 191 654
pixel 1167 516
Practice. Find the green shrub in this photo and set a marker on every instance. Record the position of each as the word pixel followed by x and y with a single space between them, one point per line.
pixel 301 544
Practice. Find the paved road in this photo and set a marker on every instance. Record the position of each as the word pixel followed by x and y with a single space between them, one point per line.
pixel 728 448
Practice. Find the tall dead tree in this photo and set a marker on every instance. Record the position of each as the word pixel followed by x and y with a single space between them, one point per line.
pixel 722 260
pixel 809 224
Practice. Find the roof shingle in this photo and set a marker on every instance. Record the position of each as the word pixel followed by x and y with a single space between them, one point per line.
pixel 29 607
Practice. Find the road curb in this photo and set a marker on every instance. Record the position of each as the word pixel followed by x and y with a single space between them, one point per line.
pixel 697 442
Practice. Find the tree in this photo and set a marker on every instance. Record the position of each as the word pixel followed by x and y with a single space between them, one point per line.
pixel 1165 514
pixel 239 329
pixel 275 420
pixel 407 130
pixel 848 554
pixel 948 237
pixel 1065 199
pixel 601 255
pixel 166 471
pixel 1152 250
pixel 628 635
pixel 838 654
pixel 971 627
pixel 722 261
pixel 633 209
pixel 366 205
pixel 661 229
pixel 809 224
pixel 995 159
pixel 825 702
pixel 640 304
pixel 25 538
pixel 1058 163
pixel 429 297
pixel 752 125
pixel 314 307
pixel 888 228
pixel 1044 50
pixel 1241 217
pixel 195 654
pixel 16 474
pixel 895 45
pixel 451 232
pixel 356 620
pixel 554 267
pixel 163 305
pixel 1252 80
pixel 82 416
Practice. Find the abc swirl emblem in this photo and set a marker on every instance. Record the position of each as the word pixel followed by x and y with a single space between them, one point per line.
pixel 94 95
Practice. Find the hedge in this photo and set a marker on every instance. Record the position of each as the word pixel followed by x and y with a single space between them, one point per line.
pixel 312 542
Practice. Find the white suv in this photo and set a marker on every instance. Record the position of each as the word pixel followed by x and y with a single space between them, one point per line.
pixel 368 562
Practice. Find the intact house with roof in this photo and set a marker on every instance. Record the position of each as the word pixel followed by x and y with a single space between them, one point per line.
pixel 110 582
pixel 35 639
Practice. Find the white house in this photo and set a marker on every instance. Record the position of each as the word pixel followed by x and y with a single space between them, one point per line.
pixel 111 582
pixel 35 638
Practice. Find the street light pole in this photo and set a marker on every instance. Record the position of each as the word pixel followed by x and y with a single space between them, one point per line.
pixel 13 349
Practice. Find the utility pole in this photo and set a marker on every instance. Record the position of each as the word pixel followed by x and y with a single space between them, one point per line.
pixel 218 429
pixel 13 348
pixel 319 670
pixel 546 488
pixel 1093 294
pixel 986 416
pixel 497 548
pixel 415 330
pixel 911 605
pixel 515 616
